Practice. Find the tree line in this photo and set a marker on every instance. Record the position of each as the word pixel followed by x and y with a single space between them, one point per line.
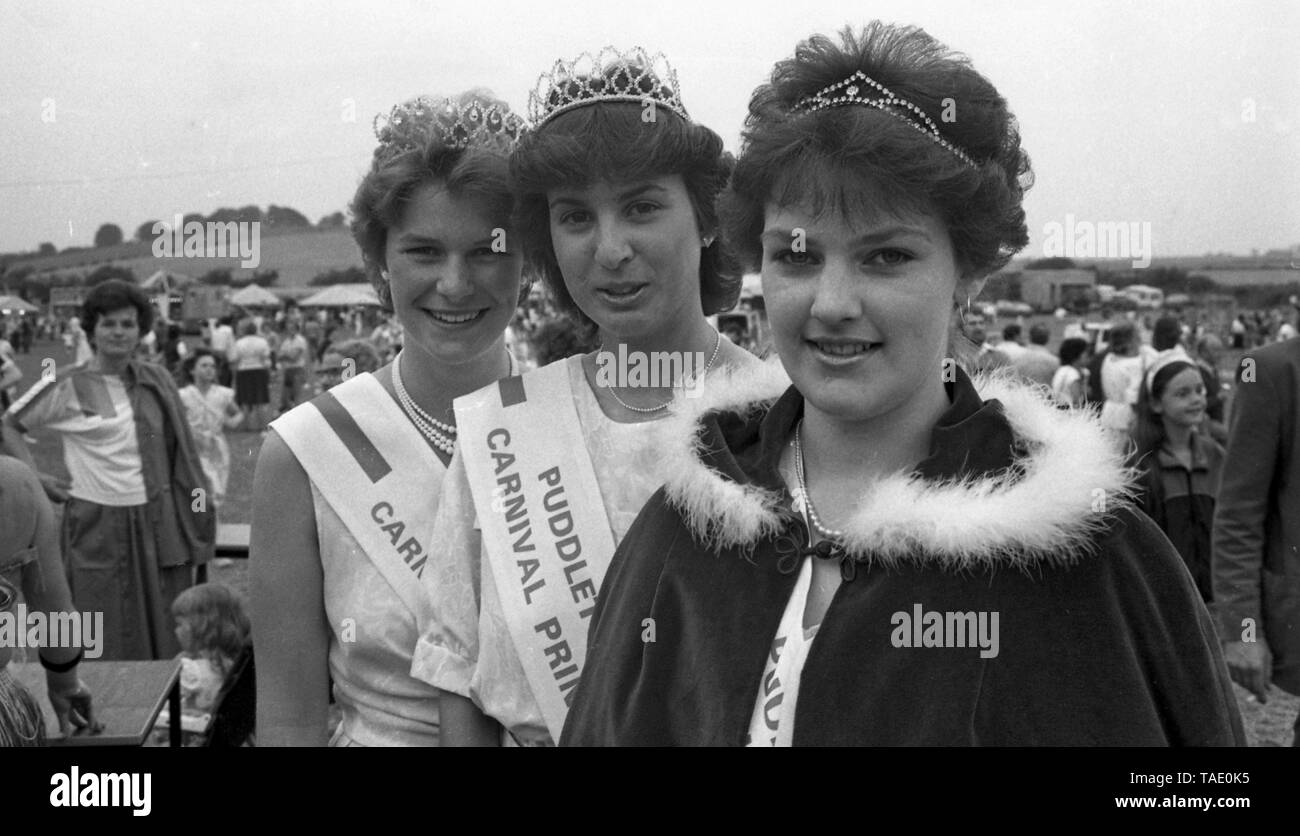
pixel 273 218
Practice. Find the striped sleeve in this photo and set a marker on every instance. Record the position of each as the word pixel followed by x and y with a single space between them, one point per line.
pixel 46 402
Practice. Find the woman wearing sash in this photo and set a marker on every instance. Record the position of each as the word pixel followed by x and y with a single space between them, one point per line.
pixel 348 484
pixel 877 549
pixel 616 189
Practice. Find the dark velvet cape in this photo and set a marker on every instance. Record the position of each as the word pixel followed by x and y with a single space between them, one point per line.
pixel 1113 648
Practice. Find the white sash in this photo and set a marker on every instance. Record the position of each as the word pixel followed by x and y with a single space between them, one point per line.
pixel 545 531
pixel 378 474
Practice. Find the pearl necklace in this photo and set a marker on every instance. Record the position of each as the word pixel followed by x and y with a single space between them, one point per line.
pixel 806 498
pixel 442 436
pixel 717 346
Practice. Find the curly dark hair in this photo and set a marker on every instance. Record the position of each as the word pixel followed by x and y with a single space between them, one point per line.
pixel 412 153
pixel 611 141
pixel 859 160
pixel 114 295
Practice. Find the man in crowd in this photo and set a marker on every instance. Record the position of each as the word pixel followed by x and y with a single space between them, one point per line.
pixel 1011 346
pixel 1257 526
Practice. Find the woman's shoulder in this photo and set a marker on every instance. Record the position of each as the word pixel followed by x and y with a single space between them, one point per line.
pixel 1133 562
pixel 304 417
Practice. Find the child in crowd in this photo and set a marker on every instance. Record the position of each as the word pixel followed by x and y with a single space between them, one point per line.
pixel 213 630
pixel 1180 465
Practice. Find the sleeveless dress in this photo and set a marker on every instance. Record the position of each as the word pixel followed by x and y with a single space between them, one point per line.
pixel 372 632
pixel 469 649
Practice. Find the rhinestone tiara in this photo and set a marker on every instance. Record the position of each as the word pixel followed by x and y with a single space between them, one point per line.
pixel 412 125
pixel 608 75
pixel 887 102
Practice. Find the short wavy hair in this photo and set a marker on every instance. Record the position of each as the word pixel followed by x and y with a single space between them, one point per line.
pixel 612 142
pixel 412 156
pixel 114 295
pixel 858 160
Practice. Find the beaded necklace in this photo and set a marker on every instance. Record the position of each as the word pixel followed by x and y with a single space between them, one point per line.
pixel 717 346
pixel 814 521
pixel 442 436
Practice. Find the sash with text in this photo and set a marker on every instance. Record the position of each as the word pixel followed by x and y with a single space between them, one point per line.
pixel 545 531
pixel 378 474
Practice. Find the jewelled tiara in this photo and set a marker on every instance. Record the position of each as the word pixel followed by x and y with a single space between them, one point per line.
pixel 850 92
pixel 457 124
pixel 608 76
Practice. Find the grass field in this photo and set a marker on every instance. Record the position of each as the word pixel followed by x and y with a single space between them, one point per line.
pixel 1266 724
pixel 297 256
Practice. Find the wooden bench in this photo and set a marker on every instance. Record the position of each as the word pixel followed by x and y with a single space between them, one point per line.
pixel 232 543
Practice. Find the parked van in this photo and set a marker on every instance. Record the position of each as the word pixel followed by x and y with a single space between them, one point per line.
pixel 1145 296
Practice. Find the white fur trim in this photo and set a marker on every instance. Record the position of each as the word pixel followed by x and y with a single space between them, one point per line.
pixel 1072 480
pixel 718 510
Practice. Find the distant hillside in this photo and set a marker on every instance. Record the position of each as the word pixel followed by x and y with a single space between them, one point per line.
pixel 297 256
pixel 1228 271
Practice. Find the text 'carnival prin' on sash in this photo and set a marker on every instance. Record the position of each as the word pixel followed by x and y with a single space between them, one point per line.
pixel 377 473
pixel 544 527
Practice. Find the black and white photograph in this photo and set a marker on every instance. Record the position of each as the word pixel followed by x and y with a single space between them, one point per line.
pixel 741 374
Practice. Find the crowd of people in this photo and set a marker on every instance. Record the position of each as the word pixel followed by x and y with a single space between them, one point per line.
pixel 856 542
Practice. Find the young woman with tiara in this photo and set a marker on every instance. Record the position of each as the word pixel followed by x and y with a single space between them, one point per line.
pixel 348 484
pixel 879 550
pixel 616 187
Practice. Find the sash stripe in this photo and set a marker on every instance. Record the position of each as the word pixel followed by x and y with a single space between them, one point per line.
pixel 350 433
pixel 92 394
pixel 512 391
pixel 39 389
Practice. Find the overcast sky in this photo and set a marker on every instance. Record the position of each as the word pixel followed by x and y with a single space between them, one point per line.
pixel 1180 114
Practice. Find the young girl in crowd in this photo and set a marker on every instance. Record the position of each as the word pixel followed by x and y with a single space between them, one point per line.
pixel 1180 464
pixel 214 631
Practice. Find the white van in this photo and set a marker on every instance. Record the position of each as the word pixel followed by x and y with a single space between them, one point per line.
pixel 1145 296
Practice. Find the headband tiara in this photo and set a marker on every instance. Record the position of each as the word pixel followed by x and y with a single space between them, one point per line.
pixel 886 102
pixel 1169 356
pixel 608 76
pixel 413 125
